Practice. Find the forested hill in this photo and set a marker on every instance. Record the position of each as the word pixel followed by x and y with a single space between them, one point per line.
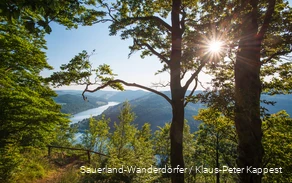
pixel 113 96
pixel 127 95
pixel 73 103
pixel 155 110
pixel 149 108
pixel 118 96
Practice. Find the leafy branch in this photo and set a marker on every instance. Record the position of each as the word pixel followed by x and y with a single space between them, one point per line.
pixel 112 83
pixel 79 71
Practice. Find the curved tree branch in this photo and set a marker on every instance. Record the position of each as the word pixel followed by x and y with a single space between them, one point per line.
pixel 194 75
pixel 127 84
pixel 160 56
pixel 192 92
pixel 183 73
pixel 279 53
pixel 183 21
pixel 109 11
pixel 155 19
pixel 267 20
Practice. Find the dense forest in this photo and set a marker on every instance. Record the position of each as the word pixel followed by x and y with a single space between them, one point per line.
pixel 160 110
pixel 72 104
pixel 152 104
pixel 245 46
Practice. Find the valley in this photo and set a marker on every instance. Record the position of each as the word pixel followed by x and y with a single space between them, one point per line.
pixel 148 107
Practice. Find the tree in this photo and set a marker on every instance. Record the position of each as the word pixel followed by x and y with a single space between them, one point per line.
pixel 37 15
pixel 28 112
pixel 130 147
pixel 260 35
pixel 248 88
pixel 162 150
pixel 144 153
pixel 277 140
pixel 29 116
pixel 96 137
pixel 179 44
pixel 126 147
pixel 22 60
pixel 217 136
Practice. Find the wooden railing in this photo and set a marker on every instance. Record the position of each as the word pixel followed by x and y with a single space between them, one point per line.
pixel 78 149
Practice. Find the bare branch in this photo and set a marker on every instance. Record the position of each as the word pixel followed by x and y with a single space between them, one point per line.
pixel 8 69
pixel 160 84
pixel 127 84
pixel 201 84
pixel 109 12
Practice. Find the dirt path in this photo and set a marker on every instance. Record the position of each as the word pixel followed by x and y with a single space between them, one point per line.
pixel 66 173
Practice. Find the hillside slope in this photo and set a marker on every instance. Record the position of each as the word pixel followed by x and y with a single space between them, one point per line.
pixel 72 101
pixel 155 110
pixel 150 108
pixel 72 104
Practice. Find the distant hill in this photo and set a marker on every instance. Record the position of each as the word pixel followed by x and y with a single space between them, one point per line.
pixel 155 110
pixel 149 108
pixel 73 103
pixel 111 96
pixel 127 95
pixel 283 102
pixel 72 92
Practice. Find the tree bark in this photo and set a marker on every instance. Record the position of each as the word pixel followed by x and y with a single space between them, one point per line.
pixel 247 99
pixel 176 137
pixel 177 95
pixel 217 158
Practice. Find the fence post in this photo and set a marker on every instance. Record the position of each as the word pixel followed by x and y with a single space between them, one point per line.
pixel 88 154
pixel 49 151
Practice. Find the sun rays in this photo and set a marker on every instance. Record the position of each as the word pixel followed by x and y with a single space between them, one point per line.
pixel 214 46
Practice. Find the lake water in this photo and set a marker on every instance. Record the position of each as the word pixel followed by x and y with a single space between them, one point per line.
pixel 91 112
pixel 87 114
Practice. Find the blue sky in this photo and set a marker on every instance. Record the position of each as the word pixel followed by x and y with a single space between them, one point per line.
pixel 65 44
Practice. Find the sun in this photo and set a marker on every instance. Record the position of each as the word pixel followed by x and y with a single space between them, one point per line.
pixel 215 46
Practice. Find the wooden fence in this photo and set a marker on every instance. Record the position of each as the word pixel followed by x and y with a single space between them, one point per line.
pixel 75 149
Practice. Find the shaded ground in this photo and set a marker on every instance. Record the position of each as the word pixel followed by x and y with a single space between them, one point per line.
pixel 66 170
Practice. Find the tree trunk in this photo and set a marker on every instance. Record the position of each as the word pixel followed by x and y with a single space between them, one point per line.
pixel 176 137
pixel 247 100
pixel 217 158
pixel 177 95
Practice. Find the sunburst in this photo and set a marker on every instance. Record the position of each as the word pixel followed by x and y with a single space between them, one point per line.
pixel 215 46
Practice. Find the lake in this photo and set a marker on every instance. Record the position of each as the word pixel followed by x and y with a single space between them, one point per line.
pixel 87 114
pixel 91 112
